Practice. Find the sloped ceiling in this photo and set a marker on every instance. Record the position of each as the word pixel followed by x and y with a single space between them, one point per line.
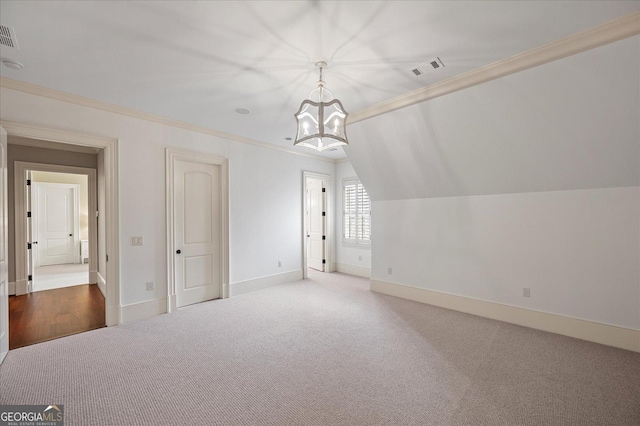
pixel 569 124
pixel 199 61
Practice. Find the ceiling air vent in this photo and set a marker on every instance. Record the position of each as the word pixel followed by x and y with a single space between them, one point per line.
pixel 434 64
pixel 8 37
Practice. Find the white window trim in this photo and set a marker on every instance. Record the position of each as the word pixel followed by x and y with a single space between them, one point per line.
pixel 350 242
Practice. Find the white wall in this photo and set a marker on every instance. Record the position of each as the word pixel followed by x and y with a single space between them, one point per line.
pixel 265 191
pixel 349 259
pixel 568 124
pixel 531 180
pixel 577 251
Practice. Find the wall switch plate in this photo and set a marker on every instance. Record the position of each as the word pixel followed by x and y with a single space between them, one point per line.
pixel 360 258
pixel 526 292
pixel 279 263
pixel 150 286
pixel 136 241
pixel 390 270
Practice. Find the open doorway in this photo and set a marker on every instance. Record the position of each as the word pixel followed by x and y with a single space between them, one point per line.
pixel 52 225
pixel 56 232
pixel 60 230
pixel 317 224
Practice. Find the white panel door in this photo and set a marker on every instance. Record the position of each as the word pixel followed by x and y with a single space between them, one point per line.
pixel 4 290
pixel 197 201
pixel 56 217
pixel 315 224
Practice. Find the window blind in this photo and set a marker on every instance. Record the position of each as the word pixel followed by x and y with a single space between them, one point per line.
pixel 357 213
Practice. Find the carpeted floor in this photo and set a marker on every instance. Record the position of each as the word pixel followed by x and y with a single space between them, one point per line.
pixel 325 351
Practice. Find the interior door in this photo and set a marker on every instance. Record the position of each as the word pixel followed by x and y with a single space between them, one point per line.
pixel 4 287
pixel 56 216
pixel 315 224
pixel 197 227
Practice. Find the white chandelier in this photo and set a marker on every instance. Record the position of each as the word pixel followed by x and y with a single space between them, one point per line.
pixel 321 123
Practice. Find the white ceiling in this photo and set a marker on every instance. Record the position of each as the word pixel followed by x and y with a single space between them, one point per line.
pixel 199 61
pixel 569 124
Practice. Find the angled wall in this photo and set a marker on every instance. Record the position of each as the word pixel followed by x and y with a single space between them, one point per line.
pixel 528 181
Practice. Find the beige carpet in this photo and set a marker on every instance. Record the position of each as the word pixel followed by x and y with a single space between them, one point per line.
pixel 325 351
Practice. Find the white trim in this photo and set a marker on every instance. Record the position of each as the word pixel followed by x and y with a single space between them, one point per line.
pixel 22 287
pixel 627 26
pixel 330 224
pixel 112 215
pixel 45 92
pixel 265 282
pixel 605 334
pixel 12 289
pixel 100 281
pixel 359 271
pixel 20 169
pixel 142 310
pixel 171 156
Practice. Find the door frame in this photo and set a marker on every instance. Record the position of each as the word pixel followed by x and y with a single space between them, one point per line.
pixel 171 156
pixel 36 187
pixel 329 225
pixel 110 212
pixel 20 217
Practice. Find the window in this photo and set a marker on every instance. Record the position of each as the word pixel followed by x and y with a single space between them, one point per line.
pixel 356 224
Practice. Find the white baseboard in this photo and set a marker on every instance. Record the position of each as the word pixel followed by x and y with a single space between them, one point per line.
pixel 102 283
pixel 359 271
pixel 12 289
pixel 22 287
pixel 113 314
pixel 618 337
pixel 142 310
pixel 172 303
pixel 93 277
pixel 264 282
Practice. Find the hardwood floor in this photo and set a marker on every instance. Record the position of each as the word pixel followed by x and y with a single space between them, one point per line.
pixel 50 314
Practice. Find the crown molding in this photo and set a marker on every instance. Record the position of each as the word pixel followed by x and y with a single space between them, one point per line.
pixel 45 92
pixel 54 135
pixel 624 27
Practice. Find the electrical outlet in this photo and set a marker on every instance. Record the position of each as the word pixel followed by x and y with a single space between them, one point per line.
pixel 136 241
pixel 526 292
pixel 390 270
pixel 150 286
pixel 279 263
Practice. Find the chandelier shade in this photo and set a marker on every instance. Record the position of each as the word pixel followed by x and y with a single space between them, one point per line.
pixel 321 123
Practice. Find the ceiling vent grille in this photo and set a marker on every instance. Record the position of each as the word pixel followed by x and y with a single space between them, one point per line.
pixel 8 37
pixel 431 65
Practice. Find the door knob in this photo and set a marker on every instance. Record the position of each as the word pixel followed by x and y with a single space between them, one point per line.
pixel 71 235
pixel 178 251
